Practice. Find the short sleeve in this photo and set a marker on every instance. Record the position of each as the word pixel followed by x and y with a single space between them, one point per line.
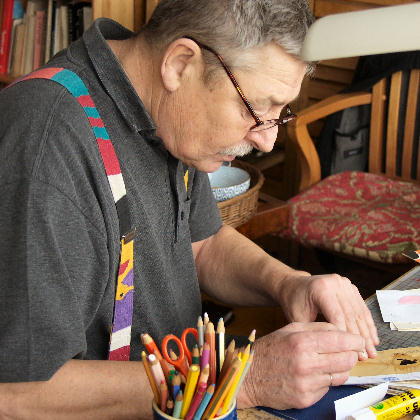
pixel 205 219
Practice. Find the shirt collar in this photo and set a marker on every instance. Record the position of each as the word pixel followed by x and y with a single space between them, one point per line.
pixel 112 75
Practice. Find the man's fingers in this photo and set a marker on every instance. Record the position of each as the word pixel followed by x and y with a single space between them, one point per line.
pixel 338 341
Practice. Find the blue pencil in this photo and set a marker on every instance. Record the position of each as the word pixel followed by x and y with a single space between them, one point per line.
pixel 178 405
pixel 204 402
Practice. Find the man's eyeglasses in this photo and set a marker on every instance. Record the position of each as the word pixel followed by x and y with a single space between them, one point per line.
pixel 286 115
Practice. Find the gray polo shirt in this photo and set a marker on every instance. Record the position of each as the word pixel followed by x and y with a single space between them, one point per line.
pixel 59 249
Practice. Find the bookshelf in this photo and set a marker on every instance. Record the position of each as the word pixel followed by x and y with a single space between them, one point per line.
pixel 130 13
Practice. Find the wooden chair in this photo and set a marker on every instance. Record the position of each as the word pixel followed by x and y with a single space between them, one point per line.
pixel 372 215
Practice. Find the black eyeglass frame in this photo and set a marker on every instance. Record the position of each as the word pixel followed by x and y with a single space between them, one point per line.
pixel 259 123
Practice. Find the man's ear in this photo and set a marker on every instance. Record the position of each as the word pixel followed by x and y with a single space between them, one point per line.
pixel 177 61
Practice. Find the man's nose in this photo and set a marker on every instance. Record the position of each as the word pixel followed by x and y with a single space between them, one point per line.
pixel 263 140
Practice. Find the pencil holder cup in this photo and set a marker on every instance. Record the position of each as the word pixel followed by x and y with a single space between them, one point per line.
pixel 160 415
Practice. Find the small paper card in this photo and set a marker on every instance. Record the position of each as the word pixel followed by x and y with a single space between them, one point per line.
pixel 399 305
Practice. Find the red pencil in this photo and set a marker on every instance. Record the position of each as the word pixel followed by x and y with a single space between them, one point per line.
pixel 195 403
pixel 163 396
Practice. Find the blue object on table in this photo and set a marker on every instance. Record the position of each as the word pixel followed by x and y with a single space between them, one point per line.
pixel 322 410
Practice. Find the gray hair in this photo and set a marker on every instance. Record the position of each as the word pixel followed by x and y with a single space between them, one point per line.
pixel 230 27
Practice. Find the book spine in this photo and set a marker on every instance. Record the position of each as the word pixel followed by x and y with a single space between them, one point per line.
pixel 5 35
pixel 38 39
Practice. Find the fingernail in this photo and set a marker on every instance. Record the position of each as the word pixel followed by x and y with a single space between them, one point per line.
pixel 363 354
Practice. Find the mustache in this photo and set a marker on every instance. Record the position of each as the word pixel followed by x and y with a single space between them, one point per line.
pixel 241 149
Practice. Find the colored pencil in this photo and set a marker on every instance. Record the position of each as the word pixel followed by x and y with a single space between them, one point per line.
pixel 229 355
pixel 178 405
pixel 222 390
pixel 251 338
pixel 169 407
pixel 204 402
pixel 205 357
pixel 247 366
pixel 229 397
pixel 206 320
pixel 151 347
pixel 195 403
pixel 176 385
pixel 210 338
pixel 195 355
pixel 163 395
pixel 149 344
pixel 200 331
pixel 220 345
pixel 204 375
pixel 156 369
pixel 163 365
pixel 192 379
pixel 150 377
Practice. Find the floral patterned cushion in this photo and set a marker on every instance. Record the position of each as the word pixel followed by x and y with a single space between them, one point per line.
pixel 360 214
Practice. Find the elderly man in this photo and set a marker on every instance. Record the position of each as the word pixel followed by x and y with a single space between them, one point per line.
pixel 203 82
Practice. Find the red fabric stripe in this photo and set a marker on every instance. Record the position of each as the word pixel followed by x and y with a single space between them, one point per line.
pixel 96 122
pixel 86 100
pixel 112 166
pixel 122 354
pixel 47 73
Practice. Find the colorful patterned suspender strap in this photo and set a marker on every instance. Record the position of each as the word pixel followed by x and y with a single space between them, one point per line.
pixel 120 337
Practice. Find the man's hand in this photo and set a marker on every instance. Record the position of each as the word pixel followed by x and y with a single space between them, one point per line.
pixel 295 365
pixel 303 297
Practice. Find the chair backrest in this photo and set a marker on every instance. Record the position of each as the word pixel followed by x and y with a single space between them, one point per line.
pixel 395 126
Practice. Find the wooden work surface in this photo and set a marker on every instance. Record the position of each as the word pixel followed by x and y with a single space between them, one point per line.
pixel 409 280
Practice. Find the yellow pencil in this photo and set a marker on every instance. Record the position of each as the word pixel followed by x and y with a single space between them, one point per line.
pixel 192 379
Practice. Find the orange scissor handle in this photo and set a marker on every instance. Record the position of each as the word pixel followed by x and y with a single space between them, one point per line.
pixel 180 362
pixel 187 331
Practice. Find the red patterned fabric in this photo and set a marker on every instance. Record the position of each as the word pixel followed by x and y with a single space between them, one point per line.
pixel 360 214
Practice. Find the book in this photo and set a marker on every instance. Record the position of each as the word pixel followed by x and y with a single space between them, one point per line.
pixel 17 54
pixel 15 23
pixel 64 11
pixel 48 28
pixel 87 17
pixel 56 30
pixel 77 18
pixel 39 38
pixel 1 11
pixel 5 35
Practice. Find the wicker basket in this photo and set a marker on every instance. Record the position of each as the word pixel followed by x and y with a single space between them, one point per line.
pixel 241 208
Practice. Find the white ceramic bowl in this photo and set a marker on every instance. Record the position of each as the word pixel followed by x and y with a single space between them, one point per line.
pixel 228 182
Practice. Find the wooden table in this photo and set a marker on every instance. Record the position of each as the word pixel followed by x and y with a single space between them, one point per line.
pixel 407 281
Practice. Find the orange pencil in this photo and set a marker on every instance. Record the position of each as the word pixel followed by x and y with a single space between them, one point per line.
pixel 210 338
pixel 229 355
pixel 149 344
pixel 150 377
pixel 151 347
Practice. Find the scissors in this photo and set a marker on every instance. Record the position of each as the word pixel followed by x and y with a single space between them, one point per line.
pixel 184 352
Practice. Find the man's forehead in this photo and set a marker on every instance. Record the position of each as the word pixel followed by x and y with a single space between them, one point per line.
pixel 276 74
